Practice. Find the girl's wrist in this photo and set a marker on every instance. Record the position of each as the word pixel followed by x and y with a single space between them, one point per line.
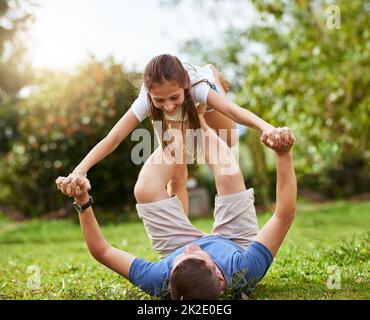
pixel 78 172
pixel 268 127
pixel 264 126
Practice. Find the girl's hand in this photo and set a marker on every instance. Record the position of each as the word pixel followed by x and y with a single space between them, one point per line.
pixel 74 185
pixel 281 140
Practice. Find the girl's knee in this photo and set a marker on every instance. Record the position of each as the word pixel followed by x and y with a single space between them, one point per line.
pixel 213 68
pixel 223 84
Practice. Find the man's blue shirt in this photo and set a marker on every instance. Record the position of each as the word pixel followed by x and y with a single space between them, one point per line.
pixel 239 267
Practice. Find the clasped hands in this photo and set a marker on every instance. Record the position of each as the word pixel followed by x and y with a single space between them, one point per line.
pixel 281 140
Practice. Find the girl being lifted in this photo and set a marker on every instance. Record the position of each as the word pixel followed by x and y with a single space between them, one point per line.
pixel 173 93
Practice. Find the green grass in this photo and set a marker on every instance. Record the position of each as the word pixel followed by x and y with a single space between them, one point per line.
pixel 332 234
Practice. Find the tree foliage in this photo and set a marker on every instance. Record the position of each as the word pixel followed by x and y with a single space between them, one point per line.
pixel 60 122
pixel 308 71
pixel 15 71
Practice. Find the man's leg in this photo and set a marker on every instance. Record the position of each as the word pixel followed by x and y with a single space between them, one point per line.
pixel 235 214
pixel 177 185
pixel 164 219
pixel 221 160
pixel 154 176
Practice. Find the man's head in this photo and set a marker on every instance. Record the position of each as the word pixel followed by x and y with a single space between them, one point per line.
pixel 195 276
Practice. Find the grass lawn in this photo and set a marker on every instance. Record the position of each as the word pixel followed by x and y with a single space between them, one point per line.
pixel 49 259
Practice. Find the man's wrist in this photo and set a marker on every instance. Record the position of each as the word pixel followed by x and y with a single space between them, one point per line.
pixel 287 154
pixel 81 200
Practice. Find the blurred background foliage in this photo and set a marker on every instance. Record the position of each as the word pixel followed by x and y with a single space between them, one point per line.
pixel 308 75
pixel 305 75
pixel 15 71
pixel 63 118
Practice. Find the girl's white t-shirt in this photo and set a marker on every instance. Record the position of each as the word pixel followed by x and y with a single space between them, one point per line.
pixel 199 92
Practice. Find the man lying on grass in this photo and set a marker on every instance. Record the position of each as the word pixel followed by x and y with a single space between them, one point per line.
pixel 195 265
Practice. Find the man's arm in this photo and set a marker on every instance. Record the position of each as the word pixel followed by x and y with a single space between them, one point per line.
pixel 274 231
pixel 115 259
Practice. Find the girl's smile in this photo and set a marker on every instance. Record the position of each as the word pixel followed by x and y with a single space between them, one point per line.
pixel 174 110
pixel 167 96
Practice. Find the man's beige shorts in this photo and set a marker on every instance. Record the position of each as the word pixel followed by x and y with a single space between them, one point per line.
pixel 169 228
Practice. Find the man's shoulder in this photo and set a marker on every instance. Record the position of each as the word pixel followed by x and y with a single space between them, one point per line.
pixel 256 248
pixel 149 276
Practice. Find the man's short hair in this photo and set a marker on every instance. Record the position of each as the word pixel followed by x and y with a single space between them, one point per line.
pixel 192 279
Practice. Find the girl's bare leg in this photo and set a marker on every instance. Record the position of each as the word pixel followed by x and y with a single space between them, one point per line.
pixel 217 120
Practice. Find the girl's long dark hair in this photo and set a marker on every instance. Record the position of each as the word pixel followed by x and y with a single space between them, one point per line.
pixel 166 67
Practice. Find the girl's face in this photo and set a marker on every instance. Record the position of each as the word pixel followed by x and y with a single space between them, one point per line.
pixel 167 96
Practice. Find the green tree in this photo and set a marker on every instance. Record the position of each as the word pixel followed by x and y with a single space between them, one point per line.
pixel 15 72
pixel 60 122
pixel 308 70
pixel 15 19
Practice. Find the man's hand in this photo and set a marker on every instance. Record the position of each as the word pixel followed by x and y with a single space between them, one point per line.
pixel 75 185
pixel 281 140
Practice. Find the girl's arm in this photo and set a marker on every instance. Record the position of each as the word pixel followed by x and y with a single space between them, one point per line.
pixel 106 146
pixel 118 133
pixel 236 113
